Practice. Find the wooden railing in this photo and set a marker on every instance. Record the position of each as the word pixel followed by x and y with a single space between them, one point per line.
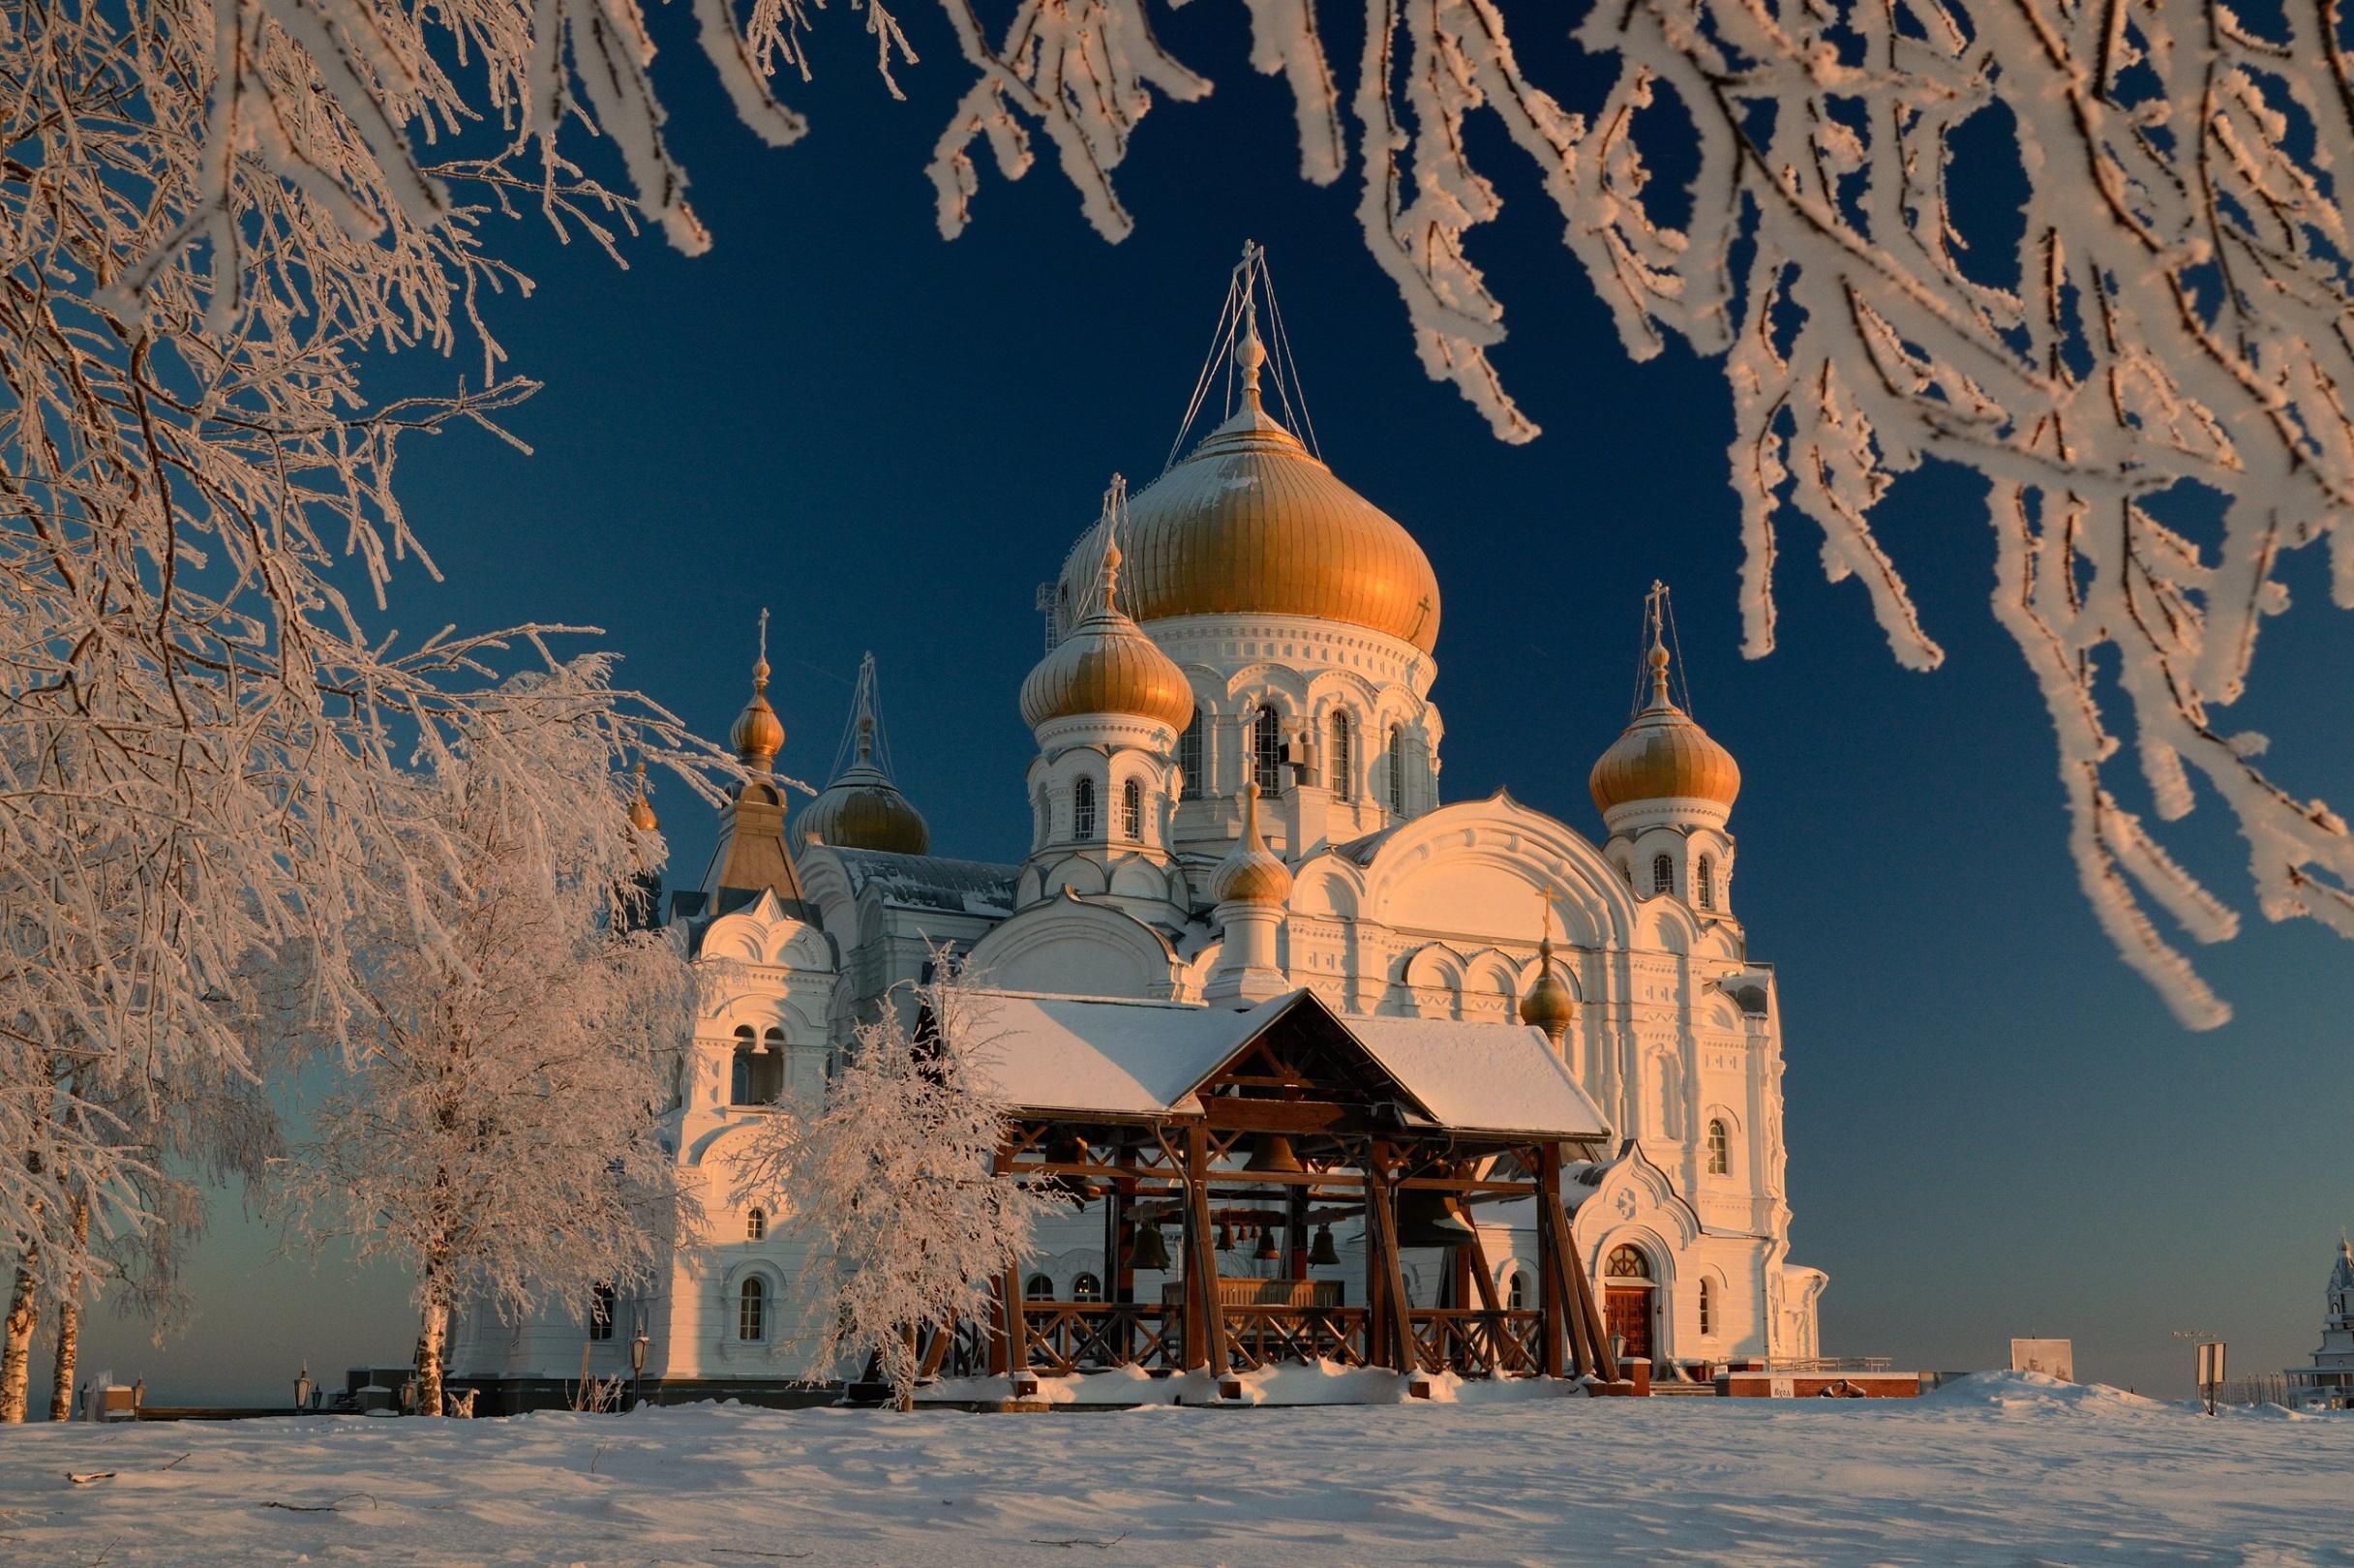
pixel 1060 1338
pixel 1472 1340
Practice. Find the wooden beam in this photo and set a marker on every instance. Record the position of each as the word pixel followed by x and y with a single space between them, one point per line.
pixel 1201 1261
pixel 1553 1305
pixel 1398 1324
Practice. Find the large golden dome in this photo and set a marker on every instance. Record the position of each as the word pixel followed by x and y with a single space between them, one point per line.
pixel 1107 665
pixel 1251 522
pixel 1663 755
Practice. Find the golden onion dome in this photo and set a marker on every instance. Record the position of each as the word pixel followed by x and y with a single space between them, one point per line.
pixel 1253 523
pixel 758 734
pixel 640 809
pixel 1251 874
pixel 1664 755
pixel 1548 1004
pixel 863 809
pixel 1107 665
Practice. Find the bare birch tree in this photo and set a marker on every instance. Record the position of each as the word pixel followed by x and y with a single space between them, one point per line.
pixel 495 1132
pixel 894 1181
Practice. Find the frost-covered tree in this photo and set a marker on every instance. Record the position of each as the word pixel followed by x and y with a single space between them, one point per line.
pixel 494 1129
pixel 896 1180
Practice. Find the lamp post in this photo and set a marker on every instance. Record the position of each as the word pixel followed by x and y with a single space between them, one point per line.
pixel 638 1342
pixel 302 1389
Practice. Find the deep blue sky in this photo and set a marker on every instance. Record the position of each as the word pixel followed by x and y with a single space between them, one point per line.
pixel 888 440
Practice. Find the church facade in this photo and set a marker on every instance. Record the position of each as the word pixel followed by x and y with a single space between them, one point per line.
pixel 1235 793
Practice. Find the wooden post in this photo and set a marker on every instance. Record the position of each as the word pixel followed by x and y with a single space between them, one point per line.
pixel 1550 1301
pixel 1208 1348
pixel 1397 1322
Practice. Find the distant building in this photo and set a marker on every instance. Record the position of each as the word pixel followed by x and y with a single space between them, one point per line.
pixel 2328 1384
pixel 1235 797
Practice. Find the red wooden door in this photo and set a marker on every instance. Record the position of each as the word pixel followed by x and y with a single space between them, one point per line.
pixel 1628 1313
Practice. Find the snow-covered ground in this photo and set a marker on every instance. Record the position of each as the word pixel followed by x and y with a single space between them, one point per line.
pixel 1996 1469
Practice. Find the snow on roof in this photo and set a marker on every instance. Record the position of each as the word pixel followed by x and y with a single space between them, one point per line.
pixel 1121 1058
pixel 932 880
pixel 1136 1057
pixel 1486 1077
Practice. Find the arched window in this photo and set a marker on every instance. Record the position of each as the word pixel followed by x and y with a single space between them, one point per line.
pixel 1267 750
pixel 600 1313
pixel 1038 1288
pixel 1397 769
pixel 752 1310
pixel 757 1075
pixel 1344 767
pixel 1720 1148
pixel 1084 809
pixel 1626 1263
pixel 1188 758
pixel 1663 874
pixel 1132 811
pixel 1704 882
pixel 1708 1305
pixel 1516 1291
pixel 1086 1288
pixel 756 1225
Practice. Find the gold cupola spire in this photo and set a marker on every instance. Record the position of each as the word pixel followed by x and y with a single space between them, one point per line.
pixel 1107 665
pixel 863 808
pixel 1547 1006
pixel 758 734
pixel 1662 754
pixel 1250 873
pixel 640 809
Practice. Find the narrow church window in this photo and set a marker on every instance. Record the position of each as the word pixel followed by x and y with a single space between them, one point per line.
pixel 752 1310
pixel 1708 1307
pixel 600 1313
pixel 1086 1288
pixel 757 1076
pixel 1038 1288
pixel 1189 758
pixel 1706 879
pixel 756 1224
pixel 1720 1148
pixel 1397 769
pixel 1516 1291
pixel 1267 750
pixel 1132 811
pixel 1084 809
pixel 1343 758
pixel 1663 874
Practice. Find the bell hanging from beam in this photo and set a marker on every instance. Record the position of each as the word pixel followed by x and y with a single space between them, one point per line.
pixel 1148 1250
pixel 1267 1252
pixel 1226 1238
pixel 1424 1219
pixel 1321 1253
pixel 1273 1156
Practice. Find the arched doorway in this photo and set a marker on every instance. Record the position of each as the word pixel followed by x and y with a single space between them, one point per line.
pixel 1628 1293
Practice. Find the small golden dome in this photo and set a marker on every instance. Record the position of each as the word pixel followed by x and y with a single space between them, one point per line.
pixel 1548 1004
pixel 1251 874
pixel 863 809
pixel 758 735
pixel 1664 755
pixel 1107 665
pixel 641 810
pixel 1251 522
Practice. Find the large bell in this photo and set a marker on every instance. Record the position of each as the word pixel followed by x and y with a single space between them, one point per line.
pixel 1273 1156
pixel 1425 1221
pixel 1322 1252
pixel 1147 1250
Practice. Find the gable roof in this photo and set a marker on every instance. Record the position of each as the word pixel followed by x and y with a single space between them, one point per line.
pixel 1100 1056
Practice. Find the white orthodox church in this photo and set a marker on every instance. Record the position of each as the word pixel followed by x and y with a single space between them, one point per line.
pixel 1255 640
pixel 2328 1382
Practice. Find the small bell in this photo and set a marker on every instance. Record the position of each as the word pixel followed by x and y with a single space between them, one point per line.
pixel 1267 1252
pixel 1321 1253
pixel 1148 1250
pixel 1226 1238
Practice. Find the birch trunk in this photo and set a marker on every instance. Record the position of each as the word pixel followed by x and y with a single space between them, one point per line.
pixel 17 1344
pixel 431 1337
pixel 69 1323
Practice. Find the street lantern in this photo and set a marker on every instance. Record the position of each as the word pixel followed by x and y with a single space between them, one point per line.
pixel 302 1388
pixel 638 1342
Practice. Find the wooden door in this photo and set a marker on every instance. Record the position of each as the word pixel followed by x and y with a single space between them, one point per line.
pixel 1627 1313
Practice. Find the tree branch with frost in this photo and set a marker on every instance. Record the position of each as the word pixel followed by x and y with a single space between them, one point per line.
pixel 896 1181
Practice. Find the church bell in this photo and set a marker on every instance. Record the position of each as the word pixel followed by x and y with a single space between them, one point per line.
pixel 1425 1221
pixel 1147 1250
pixel 1267 1252
pixel 1273 1156
pixel 1320 1251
